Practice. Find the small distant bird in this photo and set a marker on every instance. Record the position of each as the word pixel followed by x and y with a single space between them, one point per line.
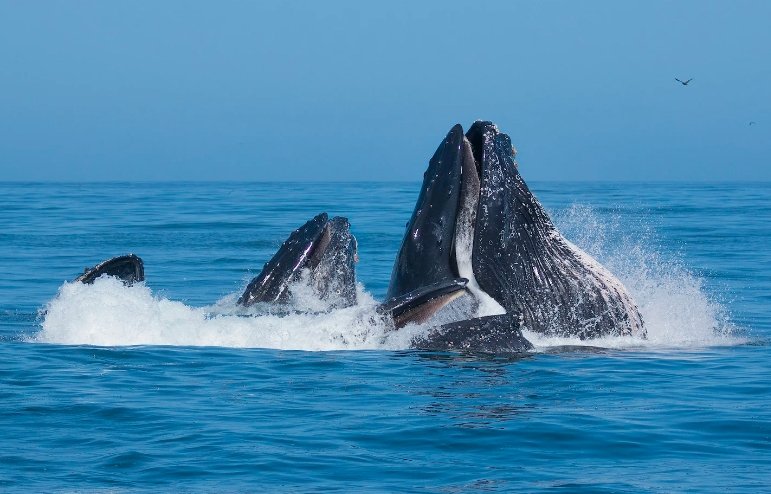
pixel 752 123
pixel 684 83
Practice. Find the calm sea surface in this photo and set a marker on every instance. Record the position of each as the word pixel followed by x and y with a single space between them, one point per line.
pixel 157 387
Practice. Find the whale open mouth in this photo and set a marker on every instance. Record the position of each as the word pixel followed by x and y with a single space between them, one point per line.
pixel 478 230
pixel 323 246
pixel 434 264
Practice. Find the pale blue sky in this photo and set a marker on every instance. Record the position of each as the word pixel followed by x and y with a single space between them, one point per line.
pixel 366 91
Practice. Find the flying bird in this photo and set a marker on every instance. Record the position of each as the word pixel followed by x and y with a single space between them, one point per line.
pixel 684 83
pixel 752 123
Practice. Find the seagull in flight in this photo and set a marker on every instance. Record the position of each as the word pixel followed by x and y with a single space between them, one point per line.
pixel 684 83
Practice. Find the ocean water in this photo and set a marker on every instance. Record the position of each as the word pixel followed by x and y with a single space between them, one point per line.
pixel 159 387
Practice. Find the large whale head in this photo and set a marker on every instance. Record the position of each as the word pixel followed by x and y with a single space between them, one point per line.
pixel 477 221
pixel 323 248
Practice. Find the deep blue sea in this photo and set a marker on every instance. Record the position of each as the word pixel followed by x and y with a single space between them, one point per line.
pixel 155 387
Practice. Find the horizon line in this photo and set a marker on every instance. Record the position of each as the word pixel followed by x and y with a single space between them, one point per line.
pixel 238 181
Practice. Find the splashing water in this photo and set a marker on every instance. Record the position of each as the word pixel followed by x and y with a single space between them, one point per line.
pixel 108 313
pixel 676 309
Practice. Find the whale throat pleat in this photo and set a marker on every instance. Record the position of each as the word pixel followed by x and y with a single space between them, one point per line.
pixel 522 261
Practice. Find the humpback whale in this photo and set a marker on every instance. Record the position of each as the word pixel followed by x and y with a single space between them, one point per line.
pixel 326 251
pixel 322 247
pixel 478 231
pixel 480 261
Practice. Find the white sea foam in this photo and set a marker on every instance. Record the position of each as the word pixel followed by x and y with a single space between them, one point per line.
pixel 108 313
pixel 675 306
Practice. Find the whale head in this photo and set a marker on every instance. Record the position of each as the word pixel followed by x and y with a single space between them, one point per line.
pixel 478 227
pixel 325 249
